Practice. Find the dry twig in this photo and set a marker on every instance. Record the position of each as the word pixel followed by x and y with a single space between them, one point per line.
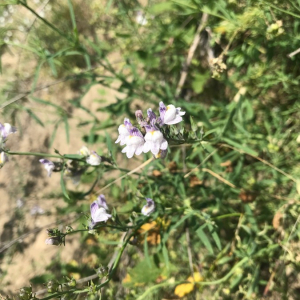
pixel 191 52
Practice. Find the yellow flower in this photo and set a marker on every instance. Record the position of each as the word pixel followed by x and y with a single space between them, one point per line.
pixel 185 288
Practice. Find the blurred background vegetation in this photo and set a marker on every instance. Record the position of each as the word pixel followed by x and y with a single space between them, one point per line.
pixel 231 225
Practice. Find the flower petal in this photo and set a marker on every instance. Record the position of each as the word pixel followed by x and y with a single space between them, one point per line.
pixel 164 145
pixel 130 151
pixel 146 147
pixel 101 215
pixel 174 121
pixel 139 150
pixel 154 148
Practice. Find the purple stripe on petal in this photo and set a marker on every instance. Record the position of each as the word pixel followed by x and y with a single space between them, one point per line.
pixel 101 201
pixel 162 111
pixel 94 207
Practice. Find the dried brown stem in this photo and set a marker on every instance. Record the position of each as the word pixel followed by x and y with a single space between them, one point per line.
pixel 191 53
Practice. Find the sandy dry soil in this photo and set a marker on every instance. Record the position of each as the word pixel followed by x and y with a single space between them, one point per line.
pixel 28 206
pixel 23 177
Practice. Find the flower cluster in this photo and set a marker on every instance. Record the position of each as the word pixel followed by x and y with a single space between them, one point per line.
pixel 154 140
pixel 5 130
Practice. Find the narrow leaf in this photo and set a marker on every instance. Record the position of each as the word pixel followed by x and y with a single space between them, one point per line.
pixel 204 239
pixel 67 128
pixel 34 116
pixel 215 236
pixel 62 184
pixel 146 252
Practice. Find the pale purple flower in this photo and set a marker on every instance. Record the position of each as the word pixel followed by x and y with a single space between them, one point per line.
pixel 149 208
pixel 124 132
pixel 155 141
pixel 6 129
pixel 134 143
pixel 99 211
pixel 94 159
pixel 170 114
pixel 3 158
pixel 48 164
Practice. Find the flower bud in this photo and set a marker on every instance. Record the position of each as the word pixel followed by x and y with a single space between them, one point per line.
pixel 72 282
pixel 25 293
pixel 102 271
pixel 52 286
pixel 139 116
pixel 69 229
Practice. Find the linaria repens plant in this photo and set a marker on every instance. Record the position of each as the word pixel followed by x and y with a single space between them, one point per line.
pixel 214 87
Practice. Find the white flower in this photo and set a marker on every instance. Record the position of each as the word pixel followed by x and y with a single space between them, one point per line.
pixel 84 151
pixel 49 165
pixel 134 143
pixel 20 203
pixel 3 158
pixel 124 132
pixel 140 18
pixel 155 141
pixel 94 159
pixel 10 8
pixel 149 208
pixel 170 115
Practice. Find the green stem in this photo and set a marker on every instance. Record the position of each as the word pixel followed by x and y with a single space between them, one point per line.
pixel 65 156
pixel 226 216
pixel 116 263
pixel 239 264
pixel 104 226
pixel 282 10
pixel 155 287
pixel 112 271
pixel 45 21
pixel 33 154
